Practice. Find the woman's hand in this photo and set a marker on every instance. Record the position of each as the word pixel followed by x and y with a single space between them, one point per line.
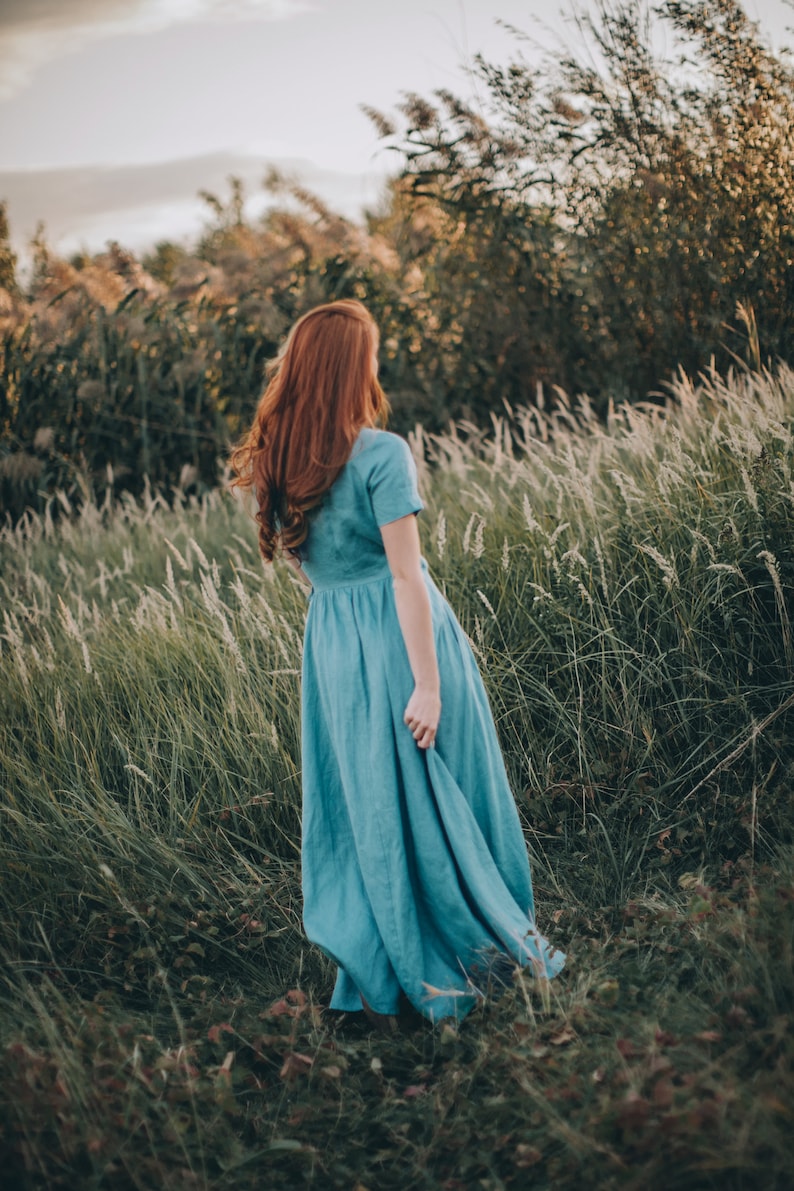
pixel 422 714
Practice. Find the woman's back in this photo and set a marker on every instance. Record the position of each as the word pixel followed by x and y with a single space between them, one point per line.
pixel 377 485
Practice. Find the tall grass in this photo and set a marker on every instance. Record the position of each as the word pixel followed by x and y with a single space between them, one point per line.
pixel 628 591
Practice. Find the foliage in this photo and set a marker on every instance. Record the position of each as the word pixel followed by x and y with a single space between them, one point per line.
pixel 611 218
pixel 628 589
pixel 8 259
pixel 113 377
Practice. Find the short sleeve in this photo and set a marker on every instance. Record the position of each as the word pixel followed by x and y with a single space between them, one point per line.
pixel 391 481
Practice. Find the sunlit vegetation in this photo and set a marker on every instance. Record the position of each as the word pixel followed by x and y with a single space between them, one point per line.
pixel 592 226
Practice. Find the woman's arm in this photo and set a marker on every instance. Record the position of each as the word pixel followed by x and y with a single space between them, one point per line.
pixel 401 542
pixel 294 561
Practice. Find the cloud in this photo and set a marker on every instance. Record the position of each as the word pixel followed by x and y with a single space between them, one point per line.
pixel 34 32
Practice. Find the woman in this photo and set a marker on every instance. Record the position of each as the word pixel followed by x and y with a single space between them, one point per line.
pixel 415 871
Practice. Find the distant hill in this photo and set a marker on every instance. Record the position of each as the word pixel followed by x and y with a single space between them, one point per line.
pixel 85 206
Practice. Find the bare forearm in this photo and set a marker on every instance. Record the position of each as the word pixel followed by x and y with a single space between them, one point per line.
pixel 416 625
pixel 423 710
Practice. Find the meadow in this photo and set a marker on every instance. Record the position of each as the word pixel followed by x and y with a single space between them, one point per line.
pixel 628 588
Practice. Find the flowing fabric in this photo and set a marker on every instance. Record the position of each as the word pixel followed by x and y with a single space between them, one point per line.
pixel 415 873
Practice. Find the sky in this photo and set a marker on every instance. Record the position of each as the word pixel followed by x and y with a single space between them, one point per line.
pixel 114 113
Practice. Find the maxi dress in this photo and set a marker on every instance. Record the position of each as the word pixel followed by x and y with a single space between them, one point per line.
pixel 415 874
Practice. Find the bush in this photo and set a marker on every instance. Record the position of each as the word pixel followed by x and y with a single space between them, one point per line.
pixel 603 227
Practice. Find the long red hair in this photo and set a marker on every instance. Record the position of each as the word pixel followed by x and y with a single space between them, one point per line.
pixel 323 389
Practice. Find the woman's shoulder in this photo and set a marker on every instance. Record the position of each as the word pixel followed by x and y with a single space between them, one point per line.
pixel 385 467
pixel 374 447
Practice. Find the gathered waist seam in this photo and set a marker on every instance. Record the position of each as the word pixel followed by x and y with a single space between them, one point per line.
pixel 364 582
pixel 319 588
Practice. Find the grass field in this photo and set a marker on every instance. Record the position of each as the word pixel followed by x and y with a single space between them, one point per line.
pixel 628 590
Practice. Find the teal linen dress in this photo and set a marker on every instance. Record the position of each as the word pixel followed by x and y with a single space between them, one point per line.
pixel 414 867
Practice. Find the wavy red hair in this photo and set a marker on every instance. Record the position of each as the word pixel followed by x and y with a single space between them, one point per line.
pixel 323 389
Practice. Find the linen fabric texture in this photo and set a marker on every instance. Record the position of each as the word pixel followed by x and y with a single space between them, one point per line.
pixel 415 874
